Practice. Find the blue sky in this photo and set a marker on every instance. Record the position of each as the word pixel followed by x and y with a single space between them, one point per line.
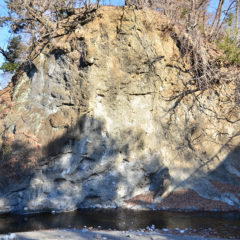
pixel 5 34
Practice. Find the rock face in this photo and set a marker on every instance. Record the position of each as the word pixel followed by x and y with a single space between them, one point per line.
pixel 107 116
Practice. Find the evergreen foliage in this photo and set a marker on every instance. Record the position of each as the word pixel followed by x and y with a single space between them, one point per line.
pixel 228 42
pixel 230 48
pixel 12 55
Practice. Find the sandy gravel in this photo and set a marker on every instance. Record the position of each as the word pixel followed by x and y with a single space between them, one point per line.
pixel 98 235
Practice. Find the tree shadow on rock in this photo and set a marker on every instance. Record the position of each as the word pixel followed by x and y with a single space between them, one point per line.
pixel 85 167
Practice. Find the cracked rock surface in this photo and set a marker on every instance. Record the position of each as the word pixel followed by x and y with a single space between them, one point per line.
pixel 107 116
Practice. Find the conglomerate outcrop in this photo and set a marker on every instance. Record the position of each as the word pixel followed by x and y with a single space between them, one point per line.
pixel 107 115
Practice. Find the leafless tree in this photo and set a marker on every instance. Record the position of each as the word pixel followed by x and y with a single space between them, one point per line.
pixel 40 17
pixel 237 20
pixel 217 18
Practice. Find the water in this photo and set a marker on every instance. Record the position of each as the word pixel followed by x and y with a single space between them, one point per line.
pixel 223 224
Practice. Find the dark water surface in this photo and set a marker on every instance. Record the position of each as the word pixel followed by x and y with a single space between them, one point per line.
pixel 224 224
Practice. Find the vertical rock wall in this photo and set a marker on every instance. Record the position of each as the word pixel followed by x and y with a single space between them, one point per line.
pixel 108 116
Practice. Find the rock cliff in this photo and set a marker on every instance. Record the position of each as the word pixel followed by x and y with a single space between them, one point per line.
pixel 107 115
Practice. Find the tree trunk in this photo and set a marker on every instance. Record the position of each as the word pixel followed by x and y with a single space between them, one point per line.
pixel 237 20
pixel 217 19
pixel 203 16
pixel 40 18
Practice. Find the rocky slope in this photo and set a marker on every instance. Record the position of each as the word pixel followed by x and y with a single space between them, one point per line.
pixel 107 116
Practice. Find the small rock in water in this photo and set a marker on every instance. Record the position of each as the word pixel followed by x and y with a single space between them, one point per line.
pixel 53 212
pixel 99 236
pixel 165 229
pixel 182 231
pixel 153 227
pixel 25 209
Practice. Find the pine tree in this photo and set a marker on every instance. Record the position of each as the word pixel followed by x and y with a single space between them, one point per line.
pixel 12 55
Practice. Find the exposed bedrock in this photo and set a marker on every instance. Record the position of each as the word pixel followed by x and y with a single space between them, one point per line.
pixel 108 116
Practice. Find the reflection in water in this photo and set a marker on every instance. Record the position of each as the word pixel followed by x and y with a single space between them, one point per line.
pixel 225 224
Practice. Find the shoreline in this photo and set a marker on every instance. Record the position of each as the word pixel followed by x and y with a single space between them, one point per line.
pixel 147 209
pixel 83 234
pixel 211 225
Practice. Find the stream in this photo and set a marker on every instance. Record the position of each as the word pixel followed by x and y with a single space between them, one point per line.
pixel 221 224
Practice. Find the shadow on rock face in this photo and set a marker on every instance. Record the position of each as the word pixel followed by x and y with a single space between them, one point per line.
pixel 85 167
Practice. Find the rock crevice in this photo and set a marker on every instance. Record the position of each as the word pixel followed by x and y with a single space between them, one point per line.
pixel 108 116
